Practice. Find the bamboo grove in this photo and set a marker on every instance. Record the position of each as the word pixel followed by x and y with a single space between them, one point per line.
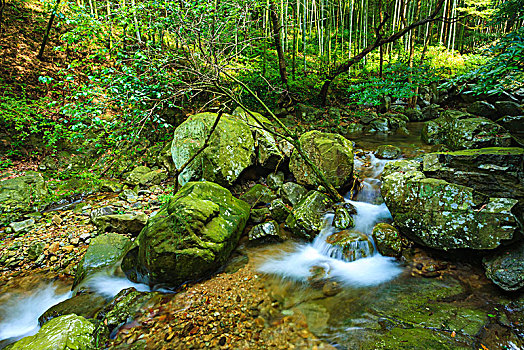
pixel 282 41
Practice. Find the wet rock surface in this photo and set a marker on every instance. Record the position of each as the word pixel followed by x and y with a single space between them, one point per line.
pixel 506 267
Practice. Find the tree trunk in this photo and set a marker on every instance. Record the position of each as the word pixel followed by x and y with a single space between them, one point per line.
pixel 344 67
pixel 47 31
pixel 278 42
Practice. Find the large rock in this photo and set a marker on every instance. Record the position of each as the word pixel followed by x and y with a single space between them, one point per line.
pixel 103 251
pixel 442 215
pixel 388 152
pixel 271 150
pixel 458 130
pixel 64 333
pixel 497 171
pixel 506 267
pixel 190 237
pixel 331 153
pixel 21 192
pixel 230 150
pixel 258 194
pixel 307 219
pixel 292 193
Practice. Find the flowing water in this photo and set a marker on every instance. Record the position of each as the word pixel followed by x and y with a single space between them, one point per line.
pixel 299 264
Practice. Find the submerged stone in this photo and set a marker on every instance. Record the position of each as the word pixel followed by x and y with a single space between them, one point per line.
pixel 191 237
pixel 331 153
pixel 85 305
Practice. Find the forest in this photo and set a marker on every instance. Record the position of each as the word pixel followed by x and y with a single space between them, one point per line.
pixel 252 174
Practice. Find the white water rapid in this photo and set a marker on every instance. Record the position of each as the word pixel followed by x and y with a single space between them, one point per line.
pixel 373 270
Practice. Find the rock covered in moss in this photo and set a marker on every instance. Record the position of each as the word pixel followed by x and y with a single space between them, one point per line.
pixel 190 237
pixel 443 215
pixel 275 180
pixel 258 194
pixel 458 130
pixel 292 193
pixel 145 176
pixel 279 210
pixel 103 251
pixel 387 239
pixel 506 267
pixel 331 153
pixel 20 192
pixel 353 245
pixel 307 219
pixel 85 305
pixel 266 231
pixel 402 165
pixel 131 223
pixel 122 308
pixel 230 151
pixel 388 152
pixel 64 333
pixel 343 218
pixel 515 126
pixel 497 171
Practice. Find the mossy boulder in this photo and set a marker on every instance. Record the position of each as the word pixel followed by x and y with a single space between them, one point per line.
pixel 103 251
pixel 497 171
pixel 402 165
pixel 387 239
pixel 307 219
pixel 352 245
pixel 343 218
pixel 85 305
pixel 124 306
pixel 131 223
pixel 279 211
pixel 443 215
pixel 271 150
pixel 258 194
pixel 331 153
pixel 21 192
pixel 506 267
pixel 458 130
pixel 64 333
pixel 292 193
pixel 231 148
pixel 267 231
pixel 388 152
pixel 190 237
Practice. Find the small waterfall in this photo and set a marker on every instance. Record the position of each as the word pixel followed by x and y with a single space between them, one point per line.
pixel 351 258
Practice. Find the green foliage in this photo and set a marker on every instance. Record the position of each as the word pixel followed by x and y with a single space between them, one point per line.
pixel 503 71
pixel 394 83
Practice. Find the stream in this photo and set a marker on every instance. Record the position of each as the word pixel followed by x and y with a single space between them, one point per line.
pixel 373 302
